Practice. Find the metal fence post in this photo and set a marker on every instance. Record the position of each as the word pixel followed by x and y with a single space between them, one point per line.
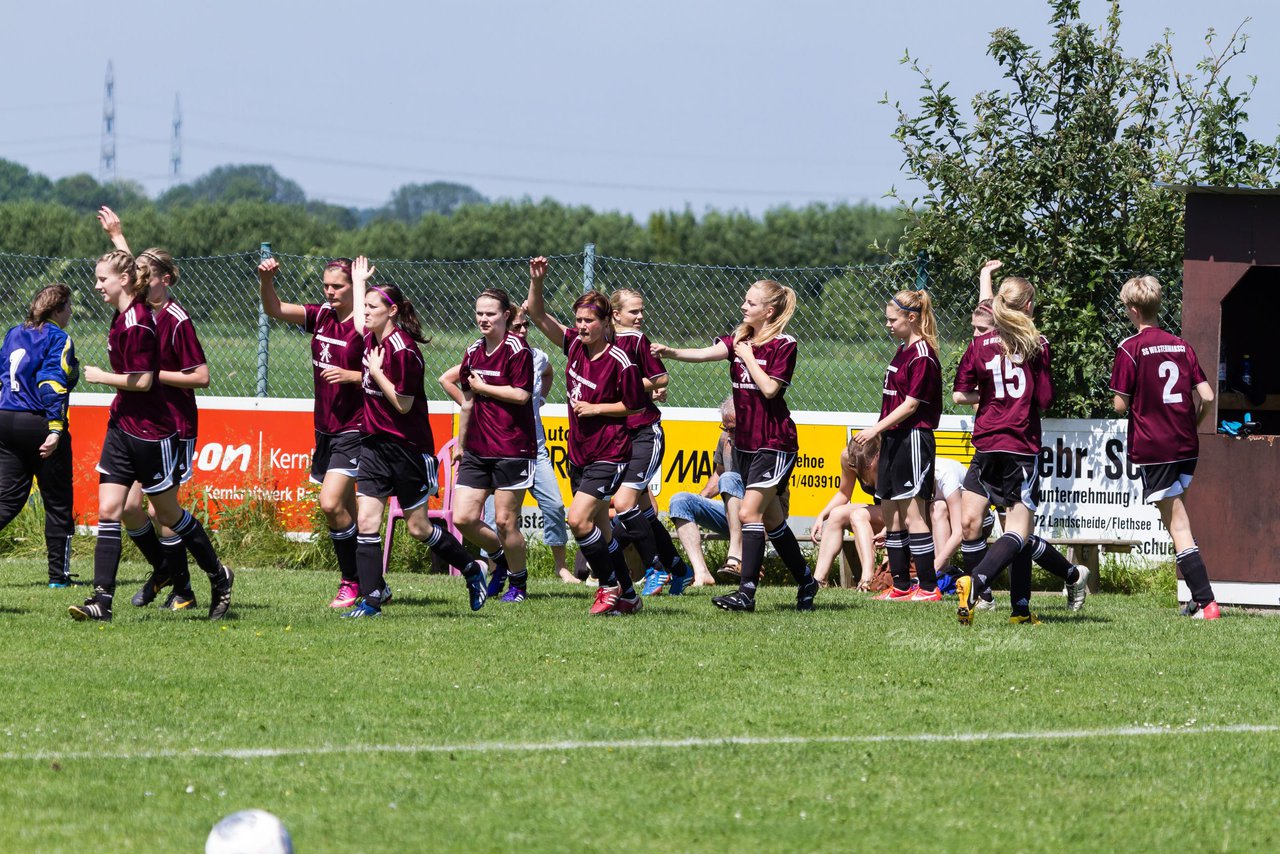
pixel 922 271
pixel 588 267
pixel 264 330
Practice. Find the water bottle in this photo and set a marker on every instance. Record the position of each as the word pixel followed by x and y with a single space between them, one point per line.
pixel 1246 371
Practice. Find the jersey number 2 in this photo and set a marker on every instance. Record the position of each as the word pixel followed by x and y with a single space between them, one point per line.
pixel 1008 378
pixel 1169 371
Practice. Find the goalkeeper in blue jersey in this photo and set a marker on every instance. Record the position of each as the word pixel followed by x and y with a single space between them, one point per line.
pixel 40 367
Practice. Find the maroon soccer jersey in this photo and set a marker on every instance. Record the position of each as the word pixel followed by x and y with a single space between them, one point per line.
pixel 635 344
pixel 915 373
pixel 764 423
pixel 403 366
pixel 180 350
pixel 335 343
pixel 497 429
pixel 608 378
pixel 1158 370
pixel 1011 395
pixel 134 349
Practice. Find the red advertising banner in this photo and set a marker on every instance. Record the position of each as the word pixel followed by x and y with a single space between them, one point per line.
pixel 248 447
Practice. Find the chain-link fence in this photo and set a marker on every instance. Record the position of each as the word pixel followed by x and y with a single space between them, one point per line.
pixel 839 320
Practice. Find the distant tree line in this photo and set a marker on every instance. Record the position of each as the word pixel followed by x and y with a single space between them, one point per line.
pixel 233 208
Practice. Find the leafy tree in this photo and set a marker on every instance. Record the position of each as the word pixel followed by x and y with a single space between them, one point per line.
pixel 18 183
pixel 413 201
pixel 1055 173
pixel 242 183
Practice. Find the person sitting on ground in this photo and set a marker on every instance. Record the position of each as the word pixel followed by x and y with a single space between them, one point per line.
pixel 714 508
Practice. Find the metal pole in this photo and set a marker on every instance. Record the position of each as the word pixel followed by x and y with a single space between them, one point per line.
pixel 264 330
pixel 588 267
pixel 922 271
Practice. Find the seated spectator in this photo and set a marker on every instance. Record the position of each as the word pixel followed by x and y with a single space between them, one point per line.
pixel 714 508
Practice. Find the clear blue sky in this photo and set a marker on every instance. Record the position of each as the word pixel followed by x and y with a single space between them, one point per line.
pixel 628 106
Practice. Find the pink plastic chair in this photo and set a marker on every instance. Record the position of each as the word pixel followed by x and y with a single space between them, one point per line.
pixel 439 506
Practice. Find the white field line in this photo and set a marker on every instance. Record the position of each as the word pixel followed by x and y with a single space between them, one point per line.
pixel 636 743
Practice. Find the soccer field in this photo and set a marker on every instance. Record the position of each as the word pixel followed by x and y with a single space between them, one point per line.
pixel 864 725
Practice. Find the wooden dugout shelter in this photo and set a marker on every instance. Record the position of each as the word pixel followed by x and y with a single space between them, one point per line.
pixel 1230 311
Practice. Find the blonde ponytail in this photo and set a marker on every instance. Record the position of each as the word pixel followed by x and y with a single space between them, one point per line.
pixel 1018 333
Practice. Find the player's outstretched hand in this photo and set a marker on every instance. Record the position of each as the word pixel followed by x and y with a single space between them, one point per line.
pixel 110 222
pixel 362 270
pixel 267 270
pixel 537 269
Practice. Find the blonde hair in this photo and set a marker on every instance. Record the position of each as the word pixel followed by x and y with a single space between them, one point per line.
pixel 137 279
pixel 1143 294
pixel 157 257
pixel 922 304
pixel 1018 333
pixel 782 300
pixel 858 457
pixel 619 297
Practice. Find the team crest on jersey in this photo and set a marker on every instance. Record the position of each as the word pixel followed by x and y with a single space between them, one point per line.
pixel 746 373
pixel 575 393
pixel 326 352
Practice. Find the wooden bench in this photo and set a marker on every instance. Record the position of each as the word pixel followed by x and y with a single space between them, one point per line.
pixel 1086 551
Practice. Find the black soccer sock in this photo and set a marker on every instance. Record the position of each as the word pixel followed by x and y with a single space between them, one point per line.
pixel 596 551
pixel 499 559
pixel 149 544
pixel 58 548
pixel 447 546
pixel 921 547
pixel 788 548
pixel 1000 555
pixel 752 557
pixel 1020 581
pixel 197 542
pixel 1193 570
pixel 641 536
pixel 106 557
pixel 368 548
pixel 519 579
pixel 344 548
pixel 621 572
pixel 974 551
pixel 895 546
pixel 662 539
pixel 1051 560
pixel 175 563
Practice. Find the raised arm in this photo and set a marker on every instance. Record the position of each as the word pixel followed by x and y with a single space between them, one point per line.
pixel 715 353
pixel 113 227
pixel 536 305
pixel 361 273
pixel 271 304
pixel 985 288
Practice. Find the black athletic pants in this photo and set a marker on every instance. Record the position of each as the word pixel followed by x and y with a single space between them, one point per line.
pixel 21 435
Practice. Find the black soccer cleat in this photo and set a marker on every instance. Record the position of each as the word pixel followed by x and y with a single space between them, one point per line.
pixel 180 600
pixel 735 601
pixel 95 608
pixel 220 592
pixel 805 594
pixel 150 589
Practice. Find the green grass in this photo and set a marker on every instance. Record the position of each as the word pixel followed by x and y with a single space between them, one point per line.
pixel 282 672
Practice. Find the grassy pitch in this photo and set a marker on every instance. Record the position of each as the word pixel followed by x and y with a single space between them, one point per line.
pixel 865 725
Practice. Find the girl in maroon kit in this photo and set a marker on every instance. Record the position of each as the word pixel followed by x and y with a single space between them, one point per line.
pixel 1006 373
pixel 397 449
pixel 139 445
pixel 909 413
pixel 337 351
pixel 636 516
pixel 1158 381
pixel 762 361
pixel 604 388
pixel 498 440
pixel 183 369
pixel 977 520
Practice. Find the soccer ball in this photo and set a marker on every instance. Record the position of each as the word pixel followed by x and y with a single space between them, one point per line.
pixel 249 832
